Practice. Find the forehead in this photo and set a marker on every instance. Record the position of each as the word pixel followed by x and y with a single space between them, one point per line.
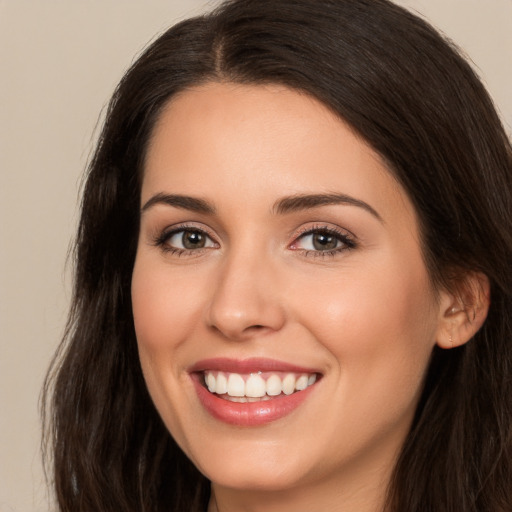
pixel 262 142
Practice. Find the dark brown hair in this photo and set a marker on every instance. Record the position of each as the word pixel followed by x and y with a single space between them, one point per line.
pixel 411 96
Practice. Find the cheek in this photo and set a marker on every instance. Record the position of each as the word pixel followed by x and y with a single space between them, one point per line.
pixel 165 308
pixel 379 326
pixel 164 314
pixel 371 305
pixel 379 331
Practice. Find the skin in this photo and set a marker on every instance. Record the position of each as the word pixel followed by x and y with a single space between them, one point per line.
pixel 366 317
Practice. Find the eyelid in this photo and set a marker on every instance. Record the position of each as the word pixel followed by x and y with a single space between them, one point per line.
pixel 344 236
pixel 347 238
pixel 162 237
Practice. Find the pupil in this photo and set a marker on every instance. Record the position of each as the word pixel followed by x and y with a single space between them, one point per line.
pixel 193 240
pixel 324 242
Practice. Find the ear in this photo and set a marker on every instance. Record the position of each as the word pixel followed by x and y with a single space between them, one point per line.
pixel 463 311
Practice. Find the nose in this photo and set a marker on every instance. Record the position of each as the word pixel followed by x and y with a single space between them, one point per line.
pixel 246 302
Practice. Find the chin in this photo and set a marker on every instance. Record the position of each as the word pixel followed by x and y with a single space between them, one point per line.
pixel 271 466
pixel 254 476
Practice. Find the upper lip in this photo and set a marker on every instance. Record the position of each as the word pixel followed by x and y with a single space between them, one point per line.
pixel 251 365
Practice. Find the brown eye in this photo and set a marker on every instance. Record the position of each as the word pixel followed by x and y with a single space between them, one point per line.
pixel 193 240
pixel 188 240
pixel 324 241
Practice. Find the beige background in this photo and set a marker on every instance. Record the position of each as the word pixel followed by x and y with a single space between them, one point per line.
pixel 59 62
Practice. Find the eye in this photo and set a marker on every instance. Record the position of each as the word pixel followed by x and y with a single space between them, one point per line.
pixel 184 240
pixel 323 241
pixel 320 242
pixel 190 239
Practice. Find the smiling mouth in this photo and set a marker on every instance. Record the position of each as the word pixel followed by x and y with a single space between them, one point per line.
pixel 256 386
pixel 252 392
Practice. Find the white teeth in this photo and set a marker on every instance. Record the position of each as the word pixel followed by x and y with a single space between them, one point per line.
pixel 210 382
pixel 236 385
pixel 302 383
pixel 254 387
pixel 222 384
pixel 245 399
pixel 289 384
pixel 274 386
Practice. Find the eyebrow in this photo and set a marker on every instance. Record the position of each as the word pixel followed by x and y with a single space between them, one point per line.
pixel 283 206
pixel 179 201
pixel 308 201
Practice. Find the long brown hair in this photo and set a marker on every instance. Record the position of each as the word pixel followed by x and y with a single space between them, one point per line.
pixel 412 97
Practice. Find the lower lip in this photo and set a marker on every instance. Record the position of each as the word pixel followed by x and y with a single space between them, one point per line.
pixel 249 414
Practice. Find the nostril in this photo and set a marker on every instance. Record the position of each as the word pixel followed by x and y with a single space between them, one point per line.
pixel 256 328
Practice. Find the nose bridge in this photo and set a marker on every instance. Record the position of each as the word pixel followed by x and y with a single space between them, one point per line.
pixel 245 298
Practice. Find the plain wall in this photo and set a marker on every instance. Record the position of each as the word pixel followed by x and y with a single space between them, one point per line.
pixel 59 63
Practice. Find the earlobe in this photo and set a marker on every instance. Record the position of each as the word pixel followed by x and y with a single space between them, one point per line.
pixel 464 311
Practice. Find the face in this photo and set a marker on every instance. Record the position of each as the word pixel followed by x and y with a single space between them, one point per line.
pixel 279 266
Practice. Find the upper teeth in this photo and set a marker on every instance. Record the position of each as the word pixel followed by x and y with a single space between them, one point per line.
pixel 255 385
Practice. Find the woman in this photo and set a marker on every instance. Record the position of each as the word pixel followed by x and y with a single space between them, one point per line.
pixel 293 279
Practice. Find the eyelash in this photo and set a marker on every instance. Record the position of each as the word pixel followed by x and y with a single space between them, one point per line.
pixel 347 241
pixel 162 240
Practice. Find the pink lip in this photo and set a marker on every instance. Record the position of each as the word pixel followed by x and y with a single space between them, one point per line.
pixel 248 366
pixel 248 414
